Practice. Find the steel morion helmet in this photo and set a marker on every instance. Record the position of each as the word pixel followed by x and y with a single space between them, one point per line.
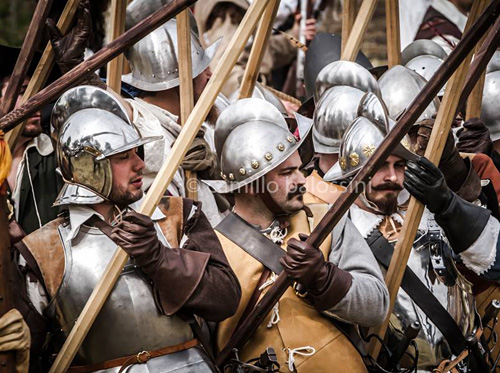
pixel 399 86
pixel 92 126
pixel 339 88
pixel 154 59
pixel 252 138
pixel 490 109
pixel 362 138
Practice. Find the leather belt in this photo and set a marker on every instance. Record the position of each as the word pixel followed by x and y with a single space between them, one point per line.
pixel 140 358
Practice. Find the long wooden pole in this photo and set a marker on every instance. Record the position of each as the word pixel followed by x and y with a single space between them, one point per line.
pixel 162 180
pixel 363 19
pixel 481 59
pixel 25 55
pixel 106 54
pixel 393 32
pixel 342 204
pixel 442 126
pixel 186 87
pixel 348 17
pixel 44 67
pixel 476 96
pixel 115 66
pixel 258 49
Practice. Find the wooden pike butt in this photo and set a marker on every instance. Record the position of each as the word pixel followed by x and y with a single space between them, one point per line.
pixel 392 31
pixel 341 206
pixel 115 66
pixel 348 18
pixel 442 126
pixel 162 180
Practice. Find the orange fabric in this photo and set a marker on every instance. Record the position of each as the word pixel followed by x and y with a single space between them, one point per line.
pixel 486 170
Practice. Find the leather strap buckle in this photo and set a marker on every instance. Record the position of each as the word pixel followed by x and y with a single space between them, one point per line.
pixel 298 289
pixel 143 357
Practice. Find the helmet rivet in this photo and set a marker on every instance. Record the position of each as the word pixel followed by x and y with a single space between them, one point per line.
pixel 268 156
pixel 354 159
pixel 255 164
pixel 368 150
pixel 289 139
pixel 223 176
pixel 154 75
pixel 231 176
pixel 281 147
pixel 242 171
pixel 343 163
pixel 169 72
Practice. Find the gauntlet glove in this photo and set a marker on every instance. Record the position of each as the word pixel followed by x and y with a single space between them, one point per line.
pixel 474 137
pixel 461 221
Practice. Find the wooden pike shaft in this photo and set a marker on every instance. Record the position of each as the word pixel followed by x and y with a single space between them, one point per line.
pixel 353 44
pixel 106 54
pixel 162 180
pixel 44 67
pixel 25 55
pixel 341 206
pixel 393 32
pixel 348 17
pixel 259 48
pixel 442 126
pixel 186 87
pixel 115 66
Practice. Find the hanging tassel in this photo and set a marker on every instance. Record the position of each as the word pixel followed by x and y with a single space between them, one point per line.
pixel 5 163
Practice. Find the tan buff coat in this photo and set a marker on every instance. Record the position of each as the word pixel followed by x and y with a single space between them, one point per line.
pixel 300 325
pixel 321 191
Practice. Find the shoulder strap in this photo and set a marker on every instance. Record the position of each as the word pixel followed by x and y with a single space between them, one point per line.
pixel 252 242
pixel 420 294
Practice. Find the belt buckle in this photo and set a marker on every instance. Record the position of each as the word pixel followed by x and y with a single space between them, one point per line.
pixel 143 357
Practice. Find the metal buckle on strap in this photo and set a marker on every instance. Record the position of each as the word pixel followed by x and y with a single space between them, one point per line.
pixel 299 290
pixel 143 357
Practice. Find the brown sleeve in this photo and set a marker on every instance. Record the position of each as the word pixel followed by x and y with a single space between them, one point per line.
pixel 218 293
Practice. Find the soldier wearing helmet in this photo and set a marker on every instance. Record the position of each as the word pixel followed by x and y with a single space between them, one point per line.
pixel 176 263
pixel 434 292
pixel 260 165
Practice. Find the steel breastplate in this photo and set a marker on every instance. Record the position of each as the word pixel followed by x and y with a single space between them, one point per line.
pixel 129 321
pixel 457 299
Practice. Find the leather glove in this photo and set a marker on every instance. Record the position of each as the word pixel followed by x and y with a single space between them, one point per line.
pixel 15 336
pixel 326 283
pixel 426 183
pixel 474 137
pixel 452 165
pixel 69 49
pixel 175 272
pixel 305 263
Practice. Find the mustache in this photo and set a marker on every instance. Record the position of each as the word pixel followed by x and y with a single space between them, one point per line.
pixel 388 186
pixel 300 191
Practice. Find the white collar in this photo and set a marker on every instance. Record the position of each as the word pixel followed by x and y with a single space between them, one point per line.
pixel 450 11
pixel 79 214
pixel 42 143
pixel 366 221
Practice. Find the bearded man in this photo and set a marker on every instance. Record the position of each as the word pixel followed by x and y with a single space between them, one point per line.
pixel 177 268
pixel 452 233
pixel 265 235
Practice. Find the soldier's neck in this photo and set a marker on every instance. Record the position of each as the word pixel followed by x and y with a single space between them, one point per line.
pixel 253 210
pixel 107 210
pixel 167 100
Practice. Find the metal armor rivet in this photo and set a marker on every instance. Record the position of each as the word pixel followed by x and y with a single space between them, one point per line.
pixel 289 139
pixel 281 147
pixel 343 163
pixel 354 159
pixel 231 176
pixel 168 72
pixel 223 176
pixel 268 156
pixel 255 164
pixel 368 150
pixel 242 171
pixel 154 75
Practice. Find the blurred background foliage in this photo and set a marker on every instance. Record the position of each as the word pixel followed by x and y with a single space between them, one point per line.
pixel 15 17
